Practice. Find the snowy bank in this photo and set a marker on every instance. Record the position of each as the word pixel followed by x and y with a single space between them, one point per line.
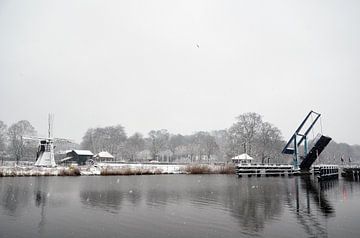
pixel 116 169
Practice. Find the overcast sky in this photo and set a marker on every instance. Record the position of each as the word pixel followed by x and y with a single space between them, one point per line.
pixel 182 65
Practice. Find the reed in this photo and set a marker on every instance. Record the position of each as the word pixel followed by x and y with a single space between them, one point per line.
pixel 198 169
pixel 71 171
pixel 207 169
pixel 128 171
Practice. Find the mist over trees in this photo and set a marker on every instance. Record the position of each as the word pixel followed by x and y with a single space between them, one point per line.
pixel 3 129
pixel 248 134
pixel 335 151
pixel 251 135
pixel 133 146
pixel 12 143
pixel 110 138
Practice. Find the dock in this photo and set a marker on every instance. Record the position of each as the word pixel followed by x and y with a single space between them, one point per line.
pixel 351 172
pixel 323 172
pixel 264 170
pixel 327 172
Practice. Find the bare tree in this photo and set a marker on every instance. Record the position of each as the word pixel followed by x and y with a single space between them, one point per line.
pixel 87 140
pixel 3 137
pixel 110 138
pixel 133 145
pixel 221 137
pixel 3 140
pixel 268 140
pixel 174 144
pixel 17 146
pixel 158 141
pixel 243 132
pixel 234 145
pixel 210 146
pixel 192 147
pixel 206 144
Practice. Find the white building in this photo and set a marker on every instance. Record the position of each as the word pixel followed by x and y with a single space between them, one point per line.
pixel 104 156
pixel 242 159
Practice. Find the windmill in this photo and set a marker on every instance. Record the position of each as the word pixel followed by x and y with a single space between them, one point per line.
pixel 45 153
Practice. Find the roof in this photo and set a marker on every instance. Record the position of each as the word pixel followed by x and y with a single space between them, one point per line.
pixel 104 154
pixel 242 157
pixel 65 159
pixel 83 152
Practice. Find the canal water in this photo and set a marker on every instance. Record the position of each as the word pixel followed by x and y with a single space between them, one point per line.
pixel 178 206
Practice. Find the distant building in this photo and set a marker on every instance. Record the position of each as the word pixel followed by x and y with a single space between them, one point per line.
pixel 77 156
pixel 242 159
pixel 104 156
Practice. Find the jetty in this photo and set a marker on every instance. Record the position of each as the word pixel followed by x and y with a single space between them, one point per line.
pixel 326 172
pixel 352 172
pixel 264 170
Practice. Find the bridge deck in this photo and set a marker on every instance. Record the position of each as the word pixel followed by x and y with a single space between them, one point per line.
pixel 315 151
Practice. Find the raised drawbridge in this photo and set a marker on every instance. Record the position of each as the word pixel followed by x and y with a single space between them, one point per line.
pixel 299 140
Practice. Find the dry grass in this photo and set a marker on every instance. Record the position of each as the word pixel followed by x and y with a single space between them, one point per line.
pixel 71 171
pixel 198 169
pixel 206 169
pixel 128 171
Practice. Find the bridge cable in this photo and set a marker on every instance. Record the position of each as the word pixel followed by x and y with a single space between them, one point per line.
pixel 312 130
pixel 321 126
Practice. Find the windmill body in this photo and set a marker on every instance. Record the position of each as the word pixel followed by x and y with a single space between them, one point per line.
pixel 45 154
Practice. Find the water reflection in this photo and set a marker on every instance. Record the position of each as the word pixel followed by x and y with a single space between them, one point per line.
pixel 317 190
pixel 109 200
pixel 307 193
pixel 234 206
pixel 108 194
pixel 254 202
pixel 41 194
pixel 14 195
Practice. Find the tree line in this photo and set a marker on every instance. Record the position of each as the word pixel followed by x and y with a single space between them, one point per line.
pixel 248 134
pixel 12 144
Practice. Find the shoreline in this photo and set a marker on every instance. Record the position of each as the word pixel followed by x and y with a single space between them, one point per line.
pixel 106 169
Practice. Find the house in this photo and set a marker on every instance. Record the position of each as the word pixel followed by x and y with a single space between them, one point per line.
pixel 242 159
pixel 104 156
pixel 77 156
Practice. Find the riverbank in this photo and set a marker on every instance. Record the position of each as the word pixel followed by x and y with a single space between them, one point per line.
pixel 106 169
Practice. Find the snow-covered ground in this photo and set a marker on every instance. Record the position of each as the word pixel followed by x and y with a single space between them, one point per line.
pixel 28 171
pixel 106 169
pixel 152 168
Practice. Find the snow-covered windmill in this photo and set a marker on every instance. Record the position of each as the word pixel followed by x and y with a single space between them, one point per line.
pixel 45 153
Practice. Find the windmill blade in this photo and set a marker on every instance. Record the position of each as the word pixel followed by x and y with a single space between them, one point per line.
pixel 51 125
pixel 33 138
pixel 62 140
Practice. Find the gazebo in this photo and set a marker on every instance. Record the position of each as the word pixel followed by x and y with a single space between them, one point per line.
pixel 104 156
pixel 242 159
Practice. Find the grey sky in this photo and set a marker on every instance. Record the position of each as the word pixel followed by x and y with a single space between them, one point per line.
pixel 98 63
